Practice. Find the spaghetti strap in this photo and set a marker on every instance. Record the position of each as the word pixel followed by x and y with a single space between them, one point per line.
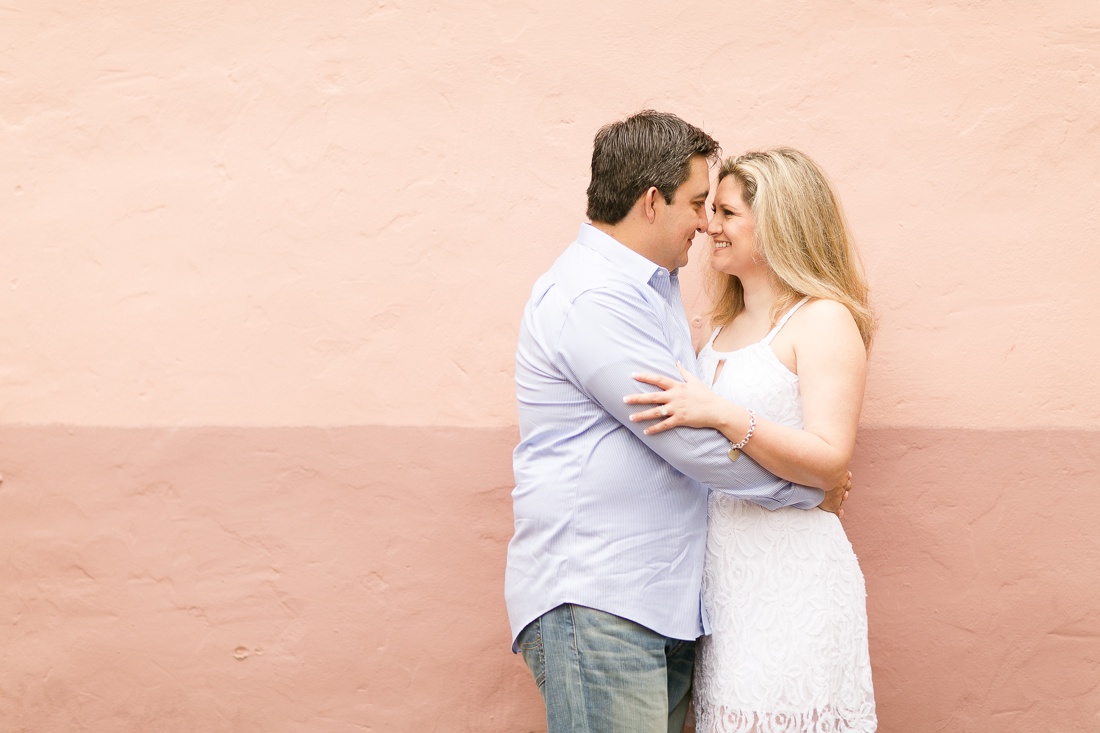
pixel 783 320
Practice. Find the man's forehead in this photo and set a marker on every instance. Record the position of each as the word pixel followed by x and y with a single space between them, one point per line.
pixel 698 190
pixel 698 183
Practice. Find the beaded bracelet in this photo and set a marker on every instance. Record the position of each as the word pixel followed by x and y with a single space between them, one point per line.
pixel 735 448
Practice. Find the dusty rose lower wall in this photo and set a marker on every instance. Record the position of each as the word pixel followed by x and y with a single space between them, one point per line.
pixel 304 579
pixel 294 579
pixel 261 269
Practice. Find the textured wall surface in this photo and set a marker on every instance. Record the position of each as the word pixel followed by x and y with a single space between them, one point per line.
pixel 261 269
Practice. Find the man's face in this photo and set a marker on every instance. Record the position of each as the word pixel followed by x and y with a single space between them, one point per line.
pixel 686 215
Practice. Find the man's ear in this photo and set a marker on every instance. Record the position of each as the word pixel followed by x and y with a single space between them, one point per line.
pixel 649 203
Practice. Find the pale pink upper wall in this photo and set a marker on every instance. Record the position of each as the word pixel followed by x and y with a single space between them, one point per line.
pixel 288 213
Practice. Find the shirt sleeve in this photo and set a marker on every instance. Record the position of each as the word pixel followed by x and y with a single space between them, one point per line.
pixel 608 334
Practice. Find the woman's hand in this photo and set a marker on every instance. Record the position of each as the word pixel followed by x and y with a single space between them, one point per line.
pixel 689 403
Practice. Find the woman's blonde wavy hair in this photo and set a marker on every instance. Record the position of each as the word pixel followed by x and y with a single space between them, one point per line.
pixel 801 234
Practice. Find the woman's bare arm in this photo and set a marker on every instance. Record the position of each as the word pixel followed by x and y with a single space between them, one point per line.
pixel 831 363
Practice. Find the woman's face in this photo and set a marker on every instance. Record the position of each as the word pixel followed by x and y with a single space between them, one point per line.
pixel 732 231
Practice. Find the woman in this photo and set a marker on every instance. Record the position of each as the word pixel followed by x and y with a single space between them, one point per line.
pixel 787 364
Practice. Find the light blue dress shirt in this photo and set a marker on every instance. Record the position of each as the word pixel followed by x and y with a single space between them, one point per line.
pixel 605 516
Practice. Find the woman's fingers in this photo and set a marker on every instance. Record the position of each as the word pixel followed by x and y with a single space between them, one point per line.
pixel 651 398
pixel 660 427
pixel 688 376
pixel 663 411
pixel 646 398
pixel 664 417
pixel 657 413
pixel 657 380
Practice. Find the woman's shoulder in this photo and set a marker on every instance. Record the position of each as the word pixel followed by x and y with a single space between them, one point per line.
pixel 824 312
pixel 824 320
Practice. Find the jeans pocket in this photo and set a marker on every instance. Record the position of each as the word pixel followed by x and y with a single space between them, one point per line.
pixel 530 646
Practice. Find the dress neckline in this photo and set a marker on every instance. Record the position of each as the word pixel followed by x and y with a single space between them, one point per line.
pixel 767 339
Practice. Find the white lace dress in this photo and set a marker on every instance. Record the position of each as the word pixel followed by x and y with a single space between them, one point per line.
pixel 788 645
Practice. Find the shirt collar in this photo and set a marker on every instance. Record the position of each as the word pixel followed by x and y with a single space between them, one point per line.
pixel 625 259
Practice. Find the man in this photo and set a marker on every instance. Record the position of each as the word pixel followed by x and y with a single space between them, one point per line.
pixel 604 569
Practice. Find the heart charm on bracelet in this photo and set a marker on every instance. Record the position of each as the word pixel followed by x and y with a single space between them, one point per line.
pixel 734 454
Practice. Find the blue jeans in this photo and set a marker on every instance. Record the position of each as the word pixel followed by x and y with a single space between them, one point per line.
pixel 599 673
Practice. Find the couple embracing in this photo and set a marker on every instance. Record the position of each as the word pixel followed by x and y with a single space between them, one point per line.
pixel 664 496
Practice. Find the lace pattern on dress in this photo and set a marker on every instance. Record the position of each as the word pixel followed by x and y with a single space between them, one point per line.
pixel 784 592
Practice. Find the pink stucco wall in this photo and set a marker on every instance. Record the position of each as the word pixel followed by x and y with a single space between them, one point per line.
pixel 261 266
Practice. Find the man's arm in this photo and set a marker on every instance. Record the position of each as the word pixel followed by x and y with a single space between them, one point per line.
pixel 609 334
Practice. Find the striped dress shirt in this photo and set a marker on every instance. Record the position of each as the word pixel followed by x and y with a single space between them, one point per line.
pixel 605 516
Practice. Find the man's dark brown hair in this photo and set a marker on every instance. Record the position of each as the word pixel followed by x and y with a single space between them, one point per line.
pixel 646 149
